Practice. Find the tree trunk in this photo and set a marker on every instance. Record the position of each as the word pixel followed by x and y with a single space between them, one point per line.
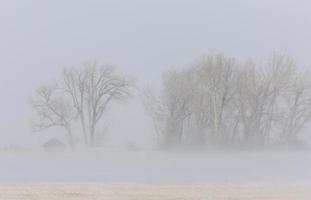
pixel 84 130
pixel 70 137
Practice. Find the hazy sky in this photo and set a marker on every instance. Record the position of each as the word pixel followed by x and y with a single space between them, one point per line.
pixel 141 37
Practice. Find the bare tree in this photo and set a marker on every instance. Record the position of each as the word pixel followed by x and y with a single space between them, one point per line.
pixel 216 90
pixel 158 112
pixel 74 85
pixel 279 74
pixel 53 110
pixel 177 98
pixel 92 88
pixel 258 97
pixel 218 100
pixel 170 109
pixel 297 106
pixel 84 93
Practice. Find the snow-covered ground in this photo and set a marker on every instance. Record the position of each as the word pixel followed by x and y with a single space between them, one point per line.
pixel 91 191
pixel 155 167
pixel 155 175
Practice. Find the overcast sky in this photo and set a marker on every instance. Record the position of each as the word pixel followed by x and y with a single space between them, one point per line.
pixel 141 37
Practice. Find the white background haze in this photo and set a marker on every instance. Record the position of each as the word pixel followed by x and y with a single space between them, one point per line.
pixel 141 37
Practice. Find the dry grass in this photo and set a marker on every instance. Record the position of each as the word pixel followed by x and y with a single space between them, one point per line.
pixel 57 191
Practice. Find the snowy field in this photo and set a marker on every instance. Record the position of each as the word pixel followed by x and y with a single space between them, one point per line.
pixel 155 192
pixel 156 175
pixel 156 167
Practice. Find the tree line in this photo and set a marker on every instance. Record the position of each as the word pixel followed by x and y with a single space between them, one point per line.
pixel 217 100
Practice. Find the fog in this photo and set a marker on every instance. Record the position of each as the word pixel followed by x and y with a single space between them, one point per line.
pixel 119 167
pixel 143 39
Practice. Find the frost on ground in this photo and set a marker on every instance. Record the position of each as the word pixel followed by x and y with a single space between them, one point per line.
pixel 57 191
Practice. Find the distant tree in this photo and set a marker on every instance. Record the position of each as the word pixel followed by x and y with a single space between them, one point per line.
pixel 259 96
pixel 74 84
pixel 92 88
pixel 157 110
pixel 297 107
pixel 53 110
pixel 215 91
pixel 177 98
pixel 220 101
pixel 84 93
pixel 171 109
